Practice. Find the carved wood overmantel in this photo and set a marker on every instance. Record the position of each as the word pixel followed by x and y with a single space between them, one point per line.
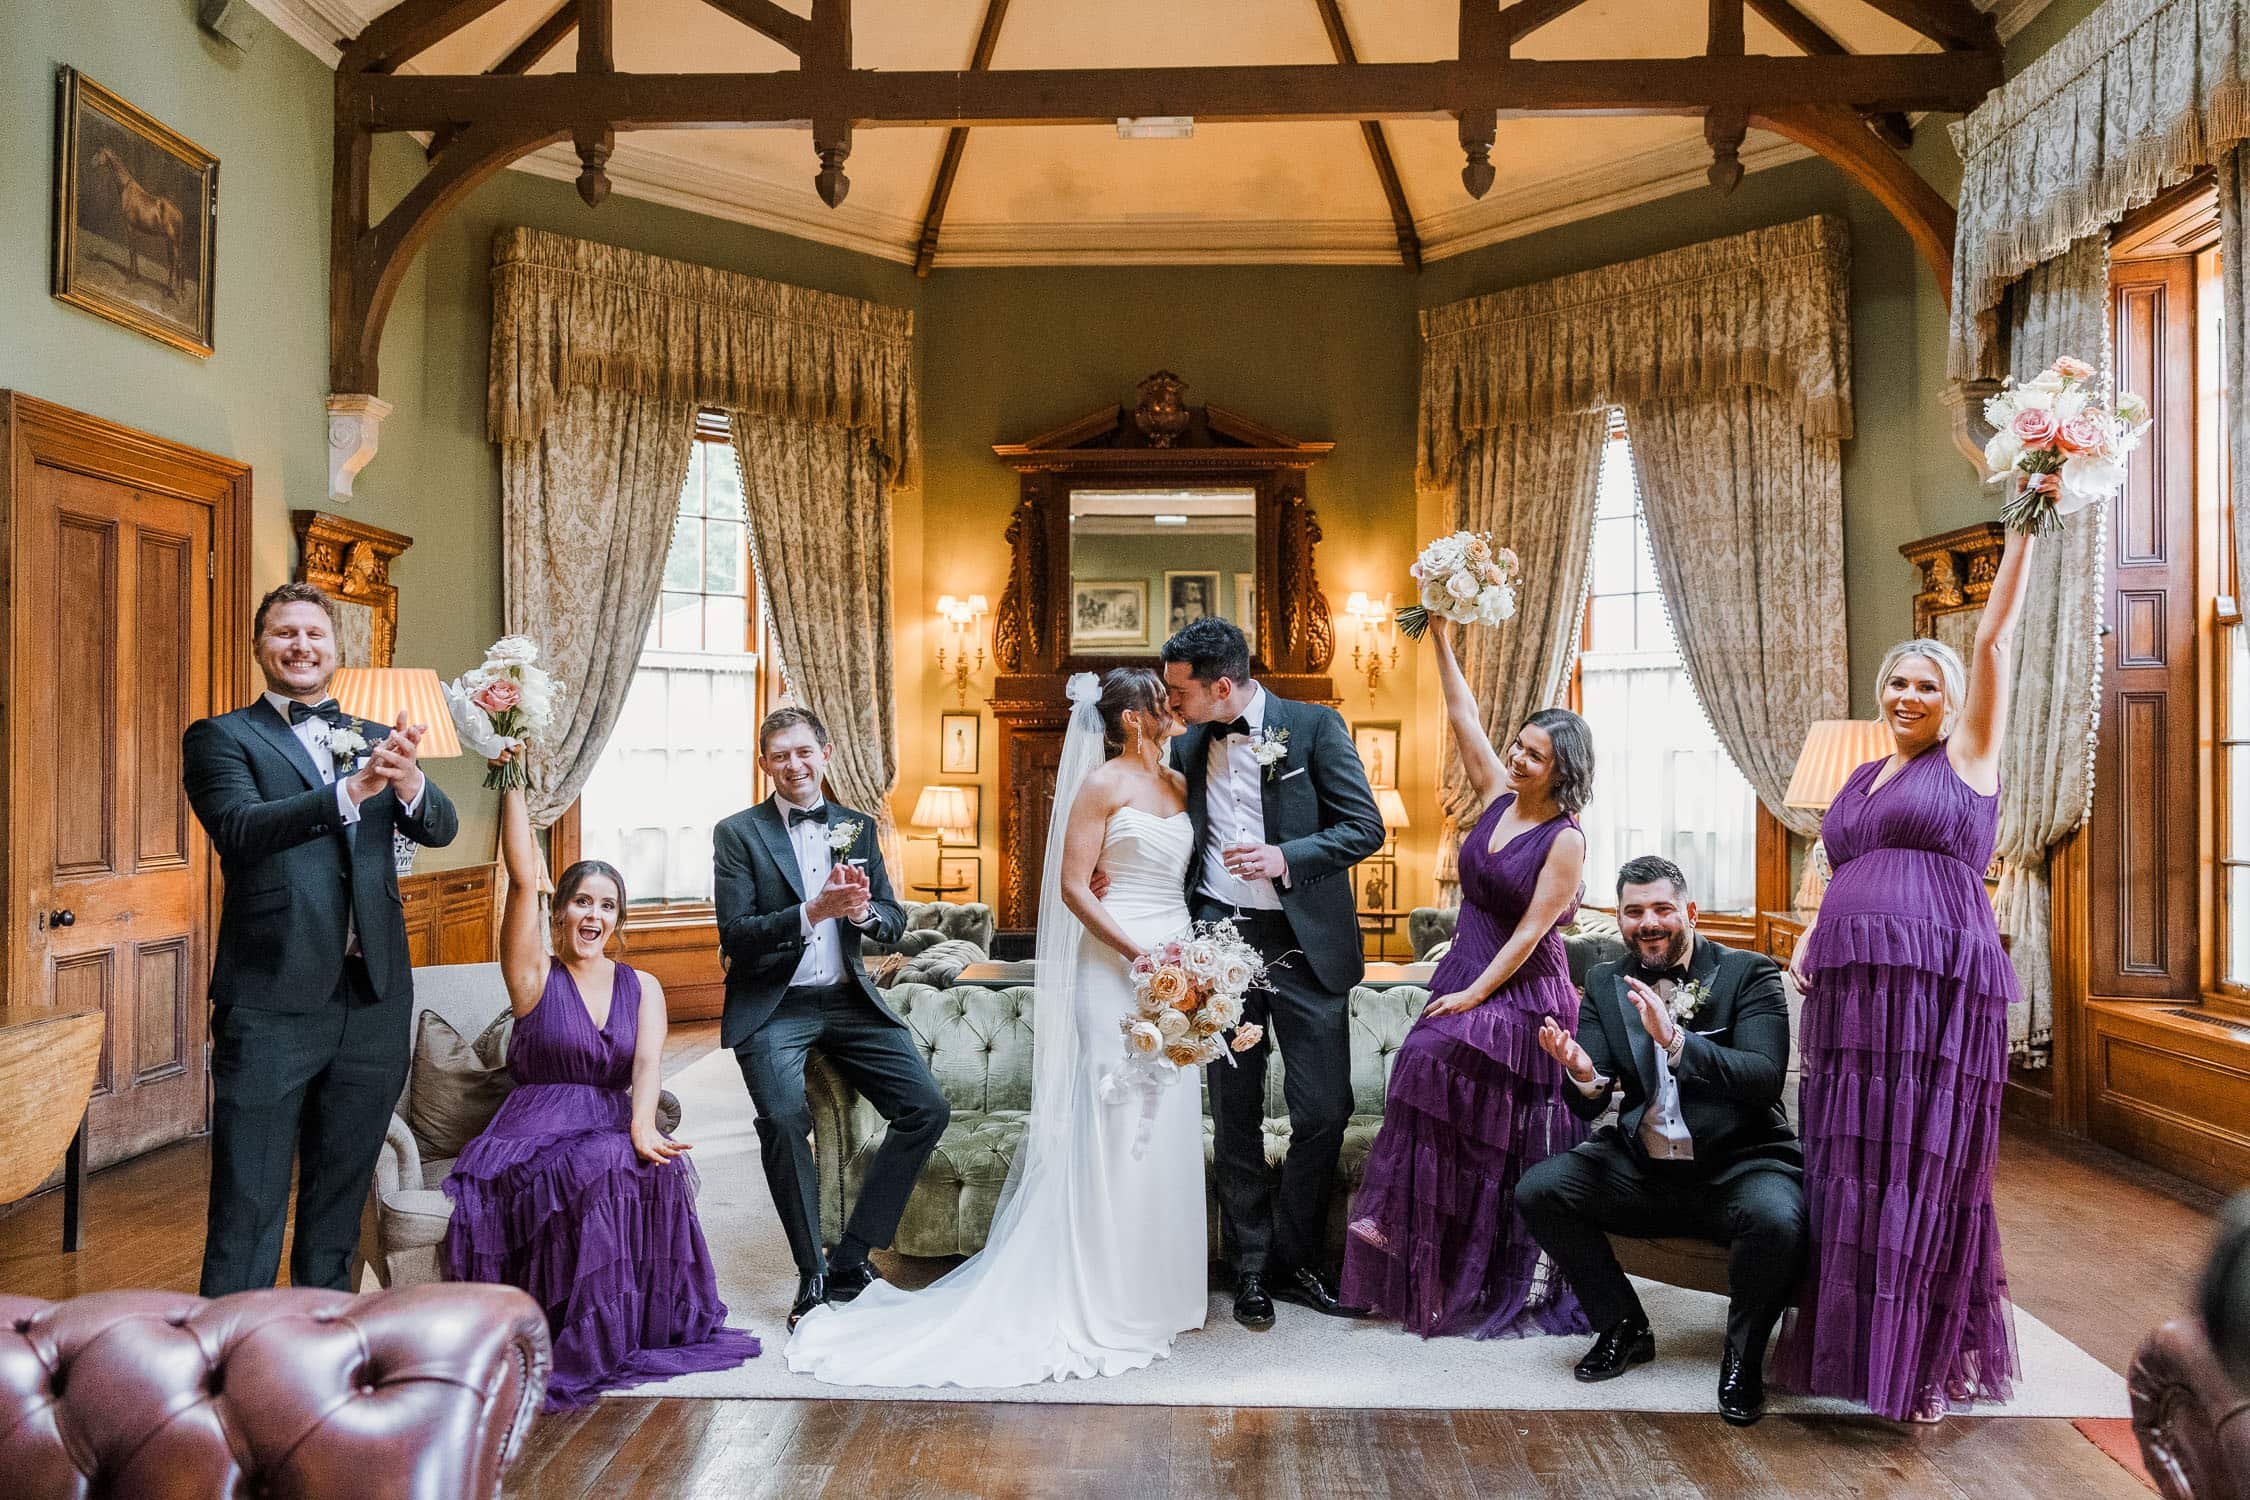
pixel 351 562
pixel 1957 569
pixel 1161 442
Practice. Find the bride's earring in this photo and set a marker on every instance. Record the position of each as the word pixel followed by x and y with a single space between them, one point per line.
pixel 1135 726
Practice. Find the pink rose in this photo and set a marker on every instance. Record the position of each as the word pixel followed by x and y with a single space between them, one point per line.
pixel 2082 434
pixel 2034 428
pixel 2073 369
pixel 498 696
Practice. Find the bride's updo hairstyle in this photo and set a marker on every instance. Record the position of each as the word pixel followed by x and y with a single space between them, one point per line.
pixel 1135 689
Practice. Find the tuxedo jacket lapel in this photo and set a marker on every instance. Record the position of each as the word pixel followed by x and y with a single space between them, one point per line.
pixel 1636 1035
pixel 1194 764
pixel 775 834
pixel 282 738
pixel 1278 718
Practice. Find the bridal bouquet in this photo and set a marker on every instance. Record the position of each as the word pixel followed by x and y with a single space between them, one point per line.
pixel 1465 578
pixel 1187 998
pixel 2061 445
pixel 502 702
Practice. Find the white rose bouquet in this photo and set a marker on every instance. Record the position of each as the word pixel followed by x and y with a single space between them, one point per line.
pixel 503 701
pixel 2060 445
pixel 1187 1010
pixel 1464 577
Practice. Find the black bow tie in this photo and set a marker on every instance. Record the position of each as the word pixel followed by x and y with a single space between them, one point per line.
pixel 807 815
pixel 326 708
pixel 1677 974
pixel 1231 728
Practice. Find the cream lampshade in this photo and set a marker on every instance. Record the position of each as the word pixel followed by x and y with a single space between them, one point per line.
pixel 1834 748
pixel 383 693
pixel 944 811
pixel 1393 808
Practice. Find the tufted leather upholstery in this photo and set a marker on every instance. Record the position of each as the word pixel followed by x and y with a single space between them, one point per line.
pixel 938 965
pixel 403 1224
pixel 2193 1422
pixel 288 1393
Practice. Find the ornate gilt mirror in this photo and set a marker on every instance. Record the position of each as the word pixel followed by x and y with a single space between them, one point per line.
pixel 350 561
pixel 1957 569
pixel 1128 523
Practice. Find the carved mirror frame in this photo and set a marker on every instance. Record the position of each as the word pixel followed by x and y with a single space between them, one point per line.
pixel 350 561
pixel 1957 569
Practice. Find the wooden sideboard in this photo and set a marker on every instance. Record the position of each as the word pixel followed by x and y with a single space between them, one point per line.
pixel 450 917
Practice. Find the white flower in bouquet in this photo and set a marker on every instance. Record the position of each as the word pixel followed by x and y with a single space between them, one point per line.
pixel 512 651
pixel 2060 446
pixel 1234 978
pixel 503 701
pixel 1142 1039
pixel 1225 1008
pixel 1203 960
pixel 1465 577
pixel 1172 1025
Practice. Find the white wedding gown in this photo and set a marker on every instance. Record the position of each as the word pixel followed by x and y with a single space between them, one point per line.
pixel 1104 1263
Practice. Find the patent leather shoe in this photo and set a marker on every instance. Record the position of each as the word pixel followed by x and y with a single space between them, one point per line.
pixel 1306 1289
pixel 1253 1308
pixel 811 1292
pixel 1742 1389
pixel 1623 1344
pixel 847 1282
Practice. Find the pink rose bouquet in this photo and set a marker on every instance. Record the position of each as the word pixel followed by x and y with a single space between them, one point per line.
pixel 500 703
pixel 1187 1011
pixel 2058 443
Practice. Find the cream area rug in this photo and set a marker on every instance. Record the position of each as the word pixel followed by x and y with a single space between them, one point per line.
pixel 1304 1360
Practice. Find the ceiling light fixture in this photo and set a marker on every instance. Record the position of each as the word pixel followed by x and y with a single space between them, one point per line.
pixel 1155 127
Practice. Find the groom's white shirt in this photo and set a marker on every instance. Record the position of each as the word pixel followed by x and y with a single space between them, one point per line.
pixel 823 961
pixel 1234 810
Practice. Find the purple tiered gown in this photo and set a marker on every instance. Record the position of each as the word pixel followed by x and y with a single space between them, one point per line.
pixel 552 1198
pixel 1905 1043
pixel 1435 1240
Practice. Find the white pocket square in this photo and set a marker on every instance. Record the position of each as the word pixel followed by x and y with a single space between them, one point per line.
pixel 1301 770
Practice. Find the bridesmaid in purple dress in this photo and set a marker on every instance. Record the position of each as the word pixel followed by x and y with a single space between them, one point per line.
pixel 1905 1040
pixel 572 1193
pixel 1435 1239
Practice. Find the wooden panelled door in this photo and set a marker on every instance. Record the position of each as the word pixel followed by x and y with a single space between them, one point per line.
pixel 116 556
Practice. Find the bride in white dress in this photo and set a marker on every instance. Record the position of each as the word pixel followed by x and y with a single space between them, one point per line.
pixel 1097 1256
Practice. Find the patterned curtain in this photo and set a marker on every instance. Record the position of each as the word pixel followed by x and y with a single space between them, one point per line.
pixel 2047 764
pixel 1738 493
pixel 586 510
pixel 1532 485
pixel 820 521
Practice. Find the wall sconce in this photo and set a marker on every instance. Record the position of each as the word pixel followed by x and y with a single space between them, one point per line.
pixel 1375 624
pixel 965 616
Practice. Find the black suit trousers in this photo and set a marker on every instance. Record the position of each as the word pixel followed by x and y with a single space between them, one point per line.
pixel 311 1089
pixel 1266 1226
pixel 1574 1200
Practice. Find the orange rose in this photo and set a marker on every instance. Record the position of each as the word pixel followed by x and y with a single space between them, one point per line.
pixel 1169 986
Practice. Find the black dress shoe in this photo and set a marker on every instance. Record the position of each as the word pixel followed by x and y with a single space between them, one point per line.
pixel 1252 1307
pixel 847 1282
pixel 811 1292
pixel 1306 1289
pixel 1742 1389
pixel 1623 1344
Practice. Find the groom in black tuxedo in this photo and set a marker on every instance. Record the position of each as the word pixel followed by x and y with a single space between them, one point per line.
pixel 310 986
pixel 1282 811
pixel 1701 1147
pixel 793 908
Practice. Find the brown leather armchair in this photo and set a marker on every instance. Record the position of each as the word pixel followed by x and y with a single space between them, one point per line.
pixel 286 1394
pixel 2193 1422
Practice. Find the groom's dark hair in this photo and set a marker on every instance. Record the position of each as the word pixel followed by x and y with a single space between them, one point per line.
pixel 1648 869
pixel 790 718
pixel 1212 648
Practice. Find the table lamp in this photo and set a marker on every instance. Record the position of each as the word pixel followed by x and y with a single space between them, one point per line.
pixel 1393 808
pixel 1834 748
pixel 942 812
pixel 382 694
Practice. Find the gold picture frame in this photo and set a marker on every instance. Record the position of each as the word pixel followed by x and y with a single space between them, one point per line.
pixel 350 561
pixel 136 215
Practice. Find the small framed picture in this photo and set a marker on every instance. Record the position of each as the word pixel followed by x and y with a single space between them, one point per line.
pixel 1108 612
pixel 960 877
pixel 1246 605
pixel 1377 744
pixel 976 821
pixel 960 736
pixel 1188 597
pixel 136 204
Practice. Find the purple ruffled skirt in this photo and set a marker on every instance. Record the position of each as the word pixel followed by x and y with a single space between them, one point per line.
pixel 552 1198
pixel 1435 1239
pixel 1905 1042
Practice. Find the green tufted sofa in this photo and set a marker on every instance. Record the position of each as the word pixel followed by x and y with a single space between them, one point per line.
pixel 978 1045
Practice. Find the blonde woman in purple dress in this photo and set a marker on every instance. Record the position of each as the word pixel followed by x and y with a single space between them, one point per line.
pixel 1905 1038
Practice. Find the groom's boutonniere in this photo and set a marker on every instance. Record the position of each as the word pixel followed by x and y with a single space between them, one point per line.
pixel 345 746
pixel 843 836
pixel 1270 747
pixel 1687 999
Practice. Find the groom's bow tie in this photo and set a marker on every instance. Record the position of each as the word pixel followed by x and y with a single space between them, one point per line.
pixel 1231 728
pixel 808 815
pixel 326 708
pixel 1677 974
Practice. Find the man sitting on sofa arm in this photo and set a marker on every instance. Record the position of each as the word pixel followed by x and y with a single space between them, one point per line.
pixel 1695 1035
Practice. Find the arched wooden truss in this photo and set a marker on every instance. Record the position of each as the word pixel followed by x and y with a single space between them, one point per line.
pixel 1848 107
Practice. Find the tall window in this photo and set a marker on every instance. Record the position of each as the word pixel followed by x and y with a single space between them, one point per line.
pixel 1663 784
pixel 684 753
pixel 2231 711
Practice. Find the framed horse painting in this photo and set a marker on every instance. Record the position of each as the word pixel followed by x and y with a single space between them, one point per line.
pixel 135 204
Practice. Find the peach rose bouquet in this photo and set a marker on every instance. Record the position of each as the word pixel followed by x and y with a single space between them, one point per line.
pixel 1187 1011
pixel 1465 577
pixel 2060 445
pixel 504 700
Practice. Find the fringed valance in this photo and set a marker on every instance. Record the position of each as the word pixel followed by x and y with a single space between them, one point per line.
pixel 2139 95
pixel 569 313
pixel 1768 308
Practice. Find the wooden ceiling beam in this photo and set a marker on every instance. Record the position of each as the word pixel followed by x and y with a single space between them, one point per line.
pixel 1838 133
pixel 1952 23
pixel 1814 40
pixel 407 29
pixel 1526 16
pixel 525 56
pixel 1953 81
pixel 1378 145
pixel 767 19
pixel 956 142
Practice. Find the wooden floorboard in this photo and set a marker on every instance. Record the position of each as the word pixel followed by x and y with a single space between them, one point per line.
pixel 2100 1248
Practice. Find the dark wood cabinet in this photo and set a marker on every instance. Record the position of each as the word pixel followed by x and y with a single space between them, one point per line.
pixel 449 916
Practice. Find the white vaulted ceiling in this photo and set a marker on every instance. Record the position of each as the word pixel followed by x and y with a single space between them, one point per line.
pixel 1030 195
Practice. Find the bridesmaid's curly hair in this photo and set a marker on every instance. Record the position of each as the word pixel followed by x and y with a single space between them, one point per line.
pixel 1130 689
pixel 1573 784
